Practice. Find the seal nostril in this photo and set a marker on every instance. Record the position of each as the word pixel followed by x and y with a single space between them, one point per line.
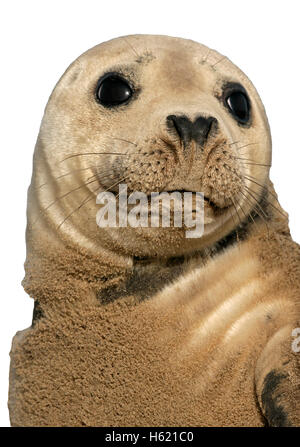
pixel 202 128
pixel 210 125
pixel 187 130
pixel 182 126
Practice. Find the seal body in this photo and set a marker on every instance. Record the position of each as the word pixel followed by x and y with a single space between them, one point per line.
pixel 200 353
pixel 141 326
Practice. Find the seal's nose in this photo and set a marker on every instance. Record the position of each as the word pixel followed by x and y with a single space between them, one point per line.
pixel 187 130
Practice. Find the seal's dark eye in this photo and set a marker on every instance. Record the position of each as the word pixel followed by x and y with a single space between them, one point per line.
pixel 113 90
pixel 238 104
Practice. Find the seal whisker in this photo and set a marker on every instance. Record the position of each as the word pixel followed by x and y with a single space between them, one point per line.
pixel 73 190
pixel 42 211
pixel 231 213
pixel 257 210
pixel 233 203
pixel 132 47
pixel 257 204
pixel 220 60
pixel 66 174
pixel 250 192
pixel 204 59
pixel 236 232
pixel 242 209
pixel 267 202
pixel 245 145
pixel 117 183
pixel 248 177
pixel 245 159
pixel 126 141
pixel 253 180
pixel 93 153
pixel 250 213
pixel 254 192
pixel 74 171
pixel 88 198
pixel 257 164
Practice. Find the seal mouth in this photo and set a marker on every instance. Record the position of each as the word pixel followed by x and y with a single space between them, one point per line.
pixel 208 202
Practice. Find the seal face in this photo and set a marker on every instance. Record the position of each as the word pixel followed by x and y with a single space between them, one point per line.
pixel 158 114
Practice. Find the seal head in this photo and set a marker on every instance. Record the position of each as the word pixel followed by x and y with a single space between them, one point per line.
pixel 157 114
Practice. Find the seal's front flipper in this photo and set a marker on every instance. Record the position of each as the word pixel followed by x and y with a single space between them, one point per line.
pixel 278 381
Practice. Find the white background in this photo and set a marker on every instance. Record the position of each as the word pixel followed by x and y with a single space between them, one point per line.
pixel 40 38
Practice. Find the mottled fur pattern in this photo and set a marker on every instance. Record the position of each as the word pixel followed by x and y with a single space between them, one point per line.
pixel 144 327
